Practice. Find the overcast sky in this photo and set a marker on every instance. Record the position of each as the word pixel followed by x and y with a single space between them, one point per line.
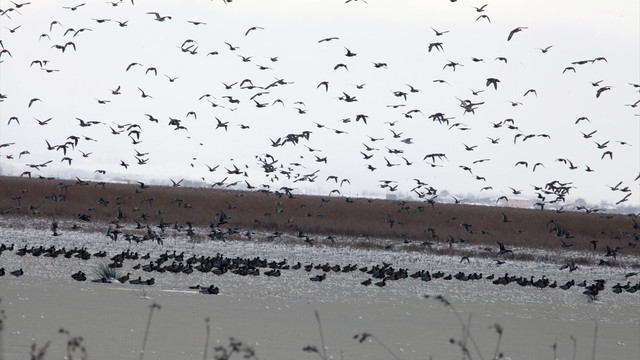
pixel 395 36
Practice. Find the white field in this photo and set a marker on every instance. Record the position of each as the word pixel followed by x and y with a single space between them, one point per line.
pixel 275 315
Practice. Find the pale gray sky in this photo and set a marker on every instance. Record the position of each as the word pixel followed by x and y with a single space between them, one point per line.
pixel 397 33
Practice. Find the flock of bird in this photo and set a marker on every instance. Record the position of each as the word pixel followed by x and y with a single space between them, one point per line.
pixel 203 115
pixel 210 120
pixel 146 269
pixel 218 265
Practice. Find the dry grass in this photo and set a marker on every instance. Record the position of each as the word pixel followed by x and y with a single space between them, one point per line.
pixel 319 217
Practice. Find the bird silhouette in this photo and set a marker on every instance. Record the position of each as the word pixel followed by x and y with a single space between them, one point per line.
pixel 484 16
pixel 515 31
pixel 143 94
pixel 544 50
pixel 481 8
pixel 503 250
pixel 494 82
pixel 74 8
pixel 158 17
pixel 601 90
pixel 253 28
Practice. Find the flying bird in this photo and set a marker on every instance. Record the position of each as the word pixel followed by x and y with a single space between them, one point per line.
pixel 601 90
pixel 349 53
pixel 544 50
pixel 132 65
pixel 439 33
pixel 73 8
pixel 328 39
pixel 503 250
pixel 514 31
pixel 484 16
pixel 158 17
pixel 33 101
pixel 144 95
pixel 325 84
pixel 252 29
pixel 231 47
pixel 43 122
pixel 481 8
pixel 13 30
pixel 435 45
pixel 493 81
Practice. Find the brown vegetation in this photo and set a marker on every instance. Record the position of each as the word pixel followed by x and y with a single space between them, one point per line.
pixel 320 217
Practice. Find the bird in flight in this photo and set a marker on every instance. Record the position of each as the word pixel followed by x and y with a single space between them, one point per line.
pixel 325 84
pixel 222 124
pixel 43 122
pixel 132 65
pixel 481 8
pixel 32 101
pixel 158 17
pixel 439 33
pixel 349 53
pixel 514 31
pixel 452 64
pixel 5 51
pixel 476 93
pixel 13 30
pixel 18 6
pixel 252 29
pixel 544 50
pixel 73 8
pixel 144 95
pixel 503 250
pixel 64 47
pixel 494 82
pixel 484 16
pixel 601 90
pixel 231 47
pixel 469 148
pixel 328 39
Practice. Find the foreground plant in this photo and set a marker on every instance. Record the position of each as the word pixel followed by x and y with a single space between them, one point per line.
pixel 3 316
pixel 234 347
pixel 38 354
pixel 105 273
pixel 314 349
pixel 74 346
pixel 146 331
pixel 364 336
pixel 206 342
pixel 466 334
